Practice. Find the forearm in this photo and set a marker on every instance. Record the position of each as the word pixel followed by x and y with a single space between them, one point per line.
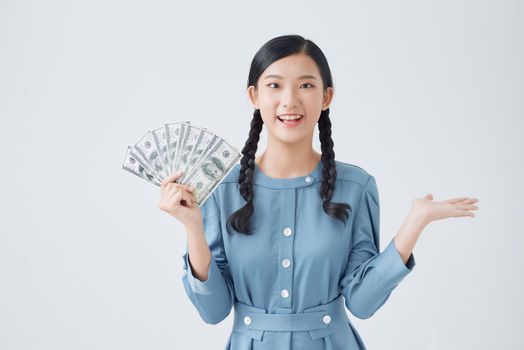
pixel 367 287
pixel 409 232
pixel 199 254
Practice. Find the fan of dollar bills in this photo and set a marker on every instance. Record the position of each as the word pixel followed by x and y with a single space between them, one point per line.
pixel 204 157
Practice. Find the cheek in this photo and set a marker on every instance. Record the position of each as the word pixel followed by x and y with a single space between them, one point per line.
pixel 314 102
pixel 267 115
pixel 268 111
pixel 268 100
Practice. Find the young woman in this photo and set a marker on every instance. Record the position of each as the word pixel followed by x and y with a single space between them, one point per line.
pixel 291 239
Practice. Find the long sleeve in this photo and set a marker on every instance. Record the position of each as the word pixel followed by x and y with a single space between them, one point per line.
pixel 214 297
pixel 371 276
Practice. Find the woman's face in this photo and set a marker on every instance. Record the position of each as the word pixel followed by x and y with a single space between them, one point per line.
pixel 291 85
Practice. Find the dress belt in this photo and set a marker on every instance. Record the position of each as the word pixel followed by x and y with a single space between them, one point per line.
pixel 320 320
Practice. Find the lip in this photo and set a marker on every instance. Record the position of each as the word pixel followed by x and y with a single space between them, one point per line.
pixel 279 115
pixel 293 124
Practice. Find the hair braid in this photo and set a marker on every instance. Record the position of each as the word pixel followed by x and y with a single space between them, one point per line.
pixel 239 220
pixel 329 173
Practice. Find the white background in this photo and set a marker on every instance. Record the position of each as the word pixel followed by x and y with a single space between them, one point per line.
pixel 428 99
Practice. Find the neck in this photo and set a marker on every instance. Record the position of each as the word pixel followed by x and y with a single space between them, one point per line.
pixel 284 160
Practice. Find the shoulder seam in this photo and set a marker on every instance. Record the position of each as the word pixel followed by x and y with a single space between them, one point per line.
pixel 362 194
pixel 358 183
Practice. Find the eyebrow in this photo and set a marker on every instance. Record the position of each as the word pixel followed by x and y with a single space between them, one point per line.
pixel 306 76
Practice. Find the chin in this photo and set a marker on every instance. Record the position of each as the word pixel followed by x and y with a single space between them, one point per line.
pixel 288 138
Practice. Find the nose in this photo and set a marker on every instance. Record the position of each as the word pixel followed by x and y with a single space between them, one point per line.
pixel 289 98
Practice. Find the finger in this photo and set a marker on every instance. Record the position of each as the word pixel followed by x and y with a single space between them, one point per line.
pixel 467 213
pixel 191 191
pixel 466 207
pixel 193 197
pixel 456 200
pixel 470 201
pixel 174 202
pixel 175 184
pixel 171 178
pixel 170 186
pixel 188 198
pixel 458 213
pixel 171 191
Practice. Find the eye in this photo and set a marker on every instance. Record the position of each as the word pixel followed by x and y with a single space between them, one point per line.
pixel 270 84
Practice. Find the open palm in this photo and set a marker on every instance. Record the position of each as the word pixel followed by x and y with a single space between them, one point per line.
pixel 436 210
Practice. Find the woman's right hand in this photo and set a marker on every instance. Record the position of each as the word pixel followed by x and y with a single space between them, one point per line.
pixel 179 201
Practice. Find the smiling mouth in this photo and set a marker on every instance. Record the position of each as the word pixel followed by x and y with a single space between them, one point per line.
pixel 291 122
pixel 294 118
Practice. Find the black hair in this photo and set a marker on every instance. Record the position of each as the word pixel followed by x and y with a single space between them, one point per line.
pixel 270 52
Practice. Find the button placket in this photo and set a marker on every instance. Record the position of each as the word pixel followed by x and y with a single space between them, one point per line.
pixel 285 271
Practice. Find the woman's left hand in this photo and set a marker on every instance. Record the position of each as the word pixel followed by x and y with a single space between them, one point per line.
pixel 436 210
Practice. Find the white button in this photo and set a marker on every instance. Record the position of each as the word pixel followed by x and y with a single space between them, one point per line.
pixel 247 320
pixel 284 293
pixel 287 231
pixel 326 319
pixel 286 263
pixel 308 179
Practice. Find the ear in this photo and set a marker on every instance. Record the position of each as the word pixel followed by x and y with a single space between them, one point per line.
pixel 328 97
pixel 252 94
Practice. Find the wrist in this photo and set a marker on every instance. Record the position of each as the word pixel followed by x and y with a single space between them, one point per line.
pixel 418 216
pixel 194 227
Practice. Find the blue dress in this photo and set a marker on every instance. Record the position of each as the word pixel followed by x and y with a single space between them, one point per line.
pixel 291 282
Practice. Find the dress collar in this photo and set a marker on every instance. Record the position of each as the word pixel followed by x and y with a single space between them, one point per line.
pixel 262 179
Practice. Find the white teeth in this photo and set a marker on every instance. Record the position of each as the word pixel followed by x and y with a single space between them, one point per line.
pixel 290 117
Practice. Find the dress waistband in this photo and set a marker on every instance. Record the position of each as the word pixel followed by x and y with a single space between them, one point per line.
pixel 320 320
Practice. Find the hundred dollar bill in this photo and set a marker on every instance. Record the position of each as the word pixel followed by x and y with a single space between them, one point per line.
pixel 185 130
pixel 191 136
pixel 211 146
pixel 133 165
pixel 202 145
pixel 159 136
pixel 208 141
pixel 212 169
pixel 173 137
pixel 146 147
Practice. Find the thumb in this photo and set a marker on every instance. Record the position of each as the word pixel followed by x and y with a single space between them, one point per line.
pixel 429 196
